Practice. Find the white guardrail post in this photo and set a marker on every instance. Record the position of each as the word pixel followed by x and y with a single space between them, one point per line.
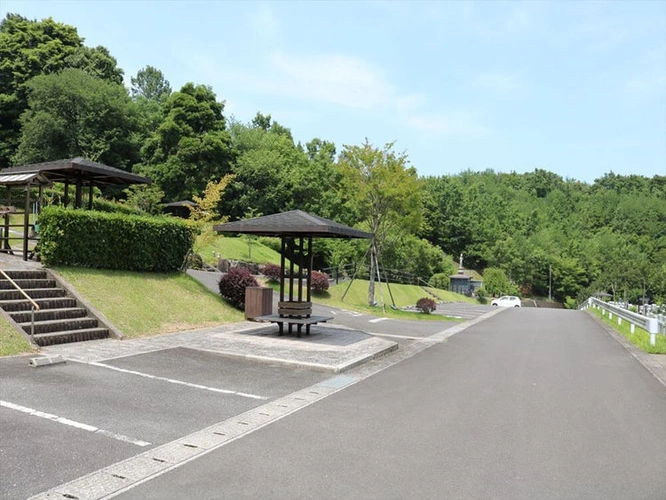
pixel 652 325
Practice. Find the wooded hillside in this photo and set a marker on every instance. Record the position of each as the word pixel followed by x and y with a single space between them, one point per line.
pixel 61 99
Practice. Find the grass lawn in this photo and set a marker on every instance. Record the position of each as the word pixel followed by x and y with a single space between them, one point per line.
pixel 404 295
pixel 640 338
pixel 12 342
pixel 142 304
pixel 234 249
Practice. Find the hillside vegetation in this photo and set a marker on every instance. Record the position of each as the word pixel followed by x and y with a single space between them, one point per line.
pixel 541 234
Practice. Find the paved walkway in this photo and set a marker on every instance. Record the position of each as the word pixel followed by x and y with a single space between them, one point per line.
pixel 328 348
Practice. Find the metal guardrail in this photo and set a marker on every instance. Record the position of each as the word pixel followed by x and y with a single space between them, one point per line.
pixel 35 305
pixel 652 325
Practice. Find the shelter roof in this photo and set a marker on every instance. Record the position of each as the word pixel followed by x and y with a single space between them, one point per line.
pixel 75 168
pixel 23 178
pixel 293 223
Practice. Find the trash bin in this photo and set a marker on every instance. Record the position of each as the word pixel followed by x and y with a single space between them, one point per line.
pixel 258 301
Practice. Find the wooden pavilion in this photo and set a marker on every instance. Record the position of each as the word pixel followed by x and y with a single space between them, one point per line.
pixel 81 173
pixel 296 229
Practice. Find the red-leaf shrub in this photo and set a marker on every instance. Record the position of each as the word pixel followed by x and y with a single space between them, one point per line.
pixel 233 285
pixel 272 272
pixel 426 305
pixel 318 281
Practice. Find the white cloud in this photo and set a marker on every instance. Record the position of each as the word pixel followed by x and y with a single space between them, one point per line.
pixel 331 78
pixel 338 80
pixel 457 123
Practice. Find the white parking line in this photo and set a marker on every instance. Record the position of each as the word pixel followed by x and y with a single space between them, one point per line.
pixel 377 320
pixel 180 382
pixel 72 423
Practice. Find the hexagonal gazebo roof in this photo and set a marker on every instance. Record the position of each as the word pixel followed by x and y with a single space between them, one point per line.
pixel 295 223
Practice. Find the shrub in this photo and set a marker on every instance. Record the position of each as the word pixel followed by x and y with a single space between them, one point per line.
pixel 440 280
pixel 272 272
pixel 318 281
pixel 101 240
pixel 233 284
pixel 426 305
pixel 570 303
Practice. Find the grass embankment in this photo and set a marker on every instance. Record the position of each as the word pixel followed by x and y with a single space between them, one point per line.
pixel 142 304
pixel 234 249
pixel 640 338
pixel 12 342
pixel 356 299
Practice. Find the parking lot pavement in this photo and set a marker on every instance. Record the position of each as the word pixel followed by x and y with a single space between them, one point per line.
pixel 60 422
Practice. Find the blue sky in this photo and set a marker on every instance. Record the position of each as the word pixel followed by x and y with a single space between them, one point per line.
pixel 573 87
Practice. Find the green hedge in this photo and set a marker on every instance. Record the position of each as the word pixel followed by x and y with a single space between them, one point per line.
pixel 112 240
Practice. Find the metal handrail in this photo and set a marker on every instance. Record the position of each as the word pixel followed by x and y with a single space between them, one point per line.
pixel 35 305
pixel 650 325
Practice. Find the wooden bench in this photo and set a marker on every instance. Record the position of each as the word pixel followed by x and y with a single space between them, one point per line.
pixel 294 313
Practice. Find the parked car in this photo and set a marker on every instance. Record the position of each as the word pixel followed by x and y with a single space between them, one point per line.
pixel 507 301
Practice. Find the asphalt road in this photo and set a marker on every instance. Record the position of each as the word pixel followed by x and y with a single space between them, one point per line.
pixel 529 404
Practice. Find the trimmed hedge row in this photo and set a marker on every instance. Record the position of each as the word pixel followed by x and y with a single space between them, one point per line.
pixel 103 240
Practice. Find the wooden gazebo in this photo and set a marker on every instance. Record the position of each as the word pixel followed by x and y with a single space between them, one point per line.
pixel 79 172
pixel 296 229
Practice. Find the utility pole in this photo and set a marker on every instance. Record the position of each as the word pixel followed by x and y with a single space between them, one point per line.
pixel 550 280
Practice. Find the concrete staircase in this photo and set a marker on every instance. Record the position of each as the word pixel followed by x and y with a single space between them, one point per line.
pixel 60 319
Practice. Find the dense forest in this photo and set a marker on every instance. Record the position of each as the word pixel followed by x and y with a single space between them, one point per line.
pixel 534 233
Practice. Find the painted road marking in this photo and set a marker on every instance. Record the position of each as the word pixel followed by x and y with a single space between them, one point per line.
pixel 180 382
pixel 73 423
pixel 115 479
pixel 392 335
pixel 377 320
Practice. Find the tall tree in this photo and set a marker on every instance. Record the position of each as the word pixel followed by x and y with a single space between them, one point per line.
pixel 150 84
pixel 31 48
pixel 74 114
pixel 191 147
pixel 385 191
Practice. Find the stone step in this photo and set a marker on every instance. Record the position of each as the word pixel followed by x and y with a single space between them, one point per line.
pixel 27 283
pixel 58 325
pixel 23 304
pixel 25 274
pixel 65 337
pixel 49 314
pixel 34 293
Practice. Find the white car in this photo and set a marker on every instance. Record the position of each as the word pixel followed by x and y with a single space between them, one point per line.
pixel 507 301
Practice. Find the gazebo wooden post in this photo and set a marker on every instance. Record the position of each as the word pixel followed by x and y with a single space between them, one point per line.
pixel 65 200
pixel 308 280
pixel 26 221
pixel 77 196
pixel 292 260
pixel 90 196
pixel 282 275
pixel 6 216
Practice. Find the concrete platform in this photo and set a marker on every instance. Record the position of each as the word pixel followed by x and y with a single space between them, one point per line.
pixel 331 349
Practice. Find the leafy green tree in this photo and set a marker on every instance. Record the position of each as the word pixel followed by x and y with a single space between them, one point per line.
pixel 496 282
pixel 190 147
pixel 30 48
pixel 27 49
pixel 97 62
pixel 74 114
pixel 385 191
pixel 145 198
pixel 150 84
